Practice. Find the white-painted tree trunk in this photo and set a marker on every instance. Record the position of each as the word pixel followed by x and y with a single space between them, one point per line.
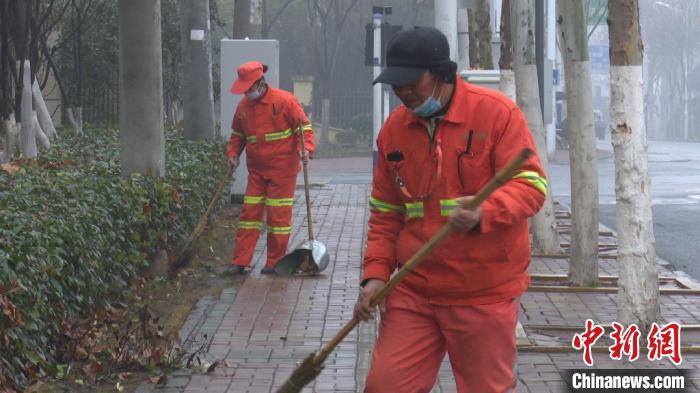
pixel 583 268
pixel 544 231
pixel 445 19
pixel 28 133
pixel 463 38
pixel 11 138
pixel 507 84
pixel 686 112
pixel 40 134
pixel 638 292
pixel 42 111
pixel 75 118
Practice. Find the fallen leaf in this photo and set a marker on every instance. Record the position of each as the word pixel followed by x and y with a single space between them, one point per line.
pixel 9 168
pixel 124 376
pixel 92 369
pixel 158 379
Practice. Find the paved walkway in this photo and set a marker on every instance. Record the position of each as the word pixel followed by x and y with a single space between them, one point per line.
pixel 259 332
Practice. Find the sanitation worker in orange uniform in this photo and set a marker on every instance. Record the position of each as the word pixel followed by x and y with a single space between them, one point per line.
pixel 266 124
pixel 437 150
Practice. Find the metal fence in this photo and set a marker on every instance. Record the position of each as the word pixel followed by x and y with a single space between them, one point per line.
pixel 101 106
pixel 348 104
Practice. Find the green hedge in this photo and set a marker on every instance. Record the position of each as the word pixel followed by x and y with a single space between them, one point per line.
pixel 73 233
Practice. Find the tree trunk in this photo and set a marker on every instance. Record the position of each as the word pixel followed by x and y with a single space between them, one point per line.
pixel 42 112
pixel 11 138
pixel 463 38
pixel 40 135
pixel 445 16
pixel 28 132
pixel 686 105
pixel 64 94
pixel 256 12
pixel 545 236
pixel 473 43
pixel 141 88
pixel 77 64
pixel 638 293
pixel 583 268
pixel 505 63
pixel 325 121
pixel 241 19
pixel 198 94
pixel 483 20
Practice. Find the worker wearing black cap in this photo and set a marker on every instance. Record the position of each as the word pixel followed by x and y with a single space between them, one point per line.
pixel 435 152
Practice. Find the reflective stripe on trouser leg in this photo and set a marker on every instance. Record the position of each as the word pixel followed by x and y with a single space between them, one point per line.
pixel 280 197
pixel 250 220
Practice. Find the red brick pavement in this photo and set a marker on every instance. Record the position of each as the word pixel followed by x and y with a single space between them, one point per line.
pixel 274 322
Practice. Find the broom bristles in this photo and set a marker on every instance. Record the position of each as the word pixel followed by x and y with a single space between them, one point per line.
pixel 306 372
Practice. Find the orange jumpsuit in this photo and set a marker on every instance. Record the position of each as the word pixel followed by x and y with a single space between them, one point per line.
pixel 463 298
pixel 268 129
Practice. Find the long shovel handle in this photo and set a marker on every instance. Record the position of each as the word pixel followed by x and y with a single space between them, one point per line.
pixel 306 182
pixel 499 179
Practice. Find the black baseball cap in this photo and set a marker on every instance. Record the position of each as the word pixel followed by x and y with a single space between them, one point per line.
pixel 411 52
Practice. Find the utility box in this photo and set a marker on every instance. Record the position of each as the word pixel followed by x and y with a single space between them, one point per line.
pixel 233 54
pixel 304 92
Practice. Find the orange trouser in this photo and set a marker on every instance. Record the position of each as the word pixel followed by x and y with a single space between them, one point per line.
pixel 277 195
pixel 414 336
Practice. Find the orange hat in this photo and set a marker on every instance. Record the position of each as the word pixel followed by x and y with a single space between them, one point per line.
pixel 248 73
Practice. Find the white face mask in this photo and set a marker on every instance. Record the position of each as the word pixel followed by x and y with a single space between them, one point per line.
pixel 258 92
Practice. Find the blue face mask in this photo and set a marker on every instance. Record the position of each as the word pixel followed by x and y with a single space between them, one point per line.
pixel 429 107
pixel 257 93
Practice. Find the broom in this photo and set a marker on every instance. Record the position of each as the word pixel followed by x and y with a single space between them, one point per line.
pixel 311 367
pixel 185 250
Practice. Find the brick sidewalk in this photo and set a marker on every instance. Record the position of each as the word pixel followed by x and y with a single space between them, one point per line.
pixel 259 333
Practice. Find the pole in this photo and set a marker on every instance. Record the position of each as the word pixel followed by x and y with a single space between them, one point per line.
pixel 377 14
pixel 551 54
pixel 539 48
pixel 446 22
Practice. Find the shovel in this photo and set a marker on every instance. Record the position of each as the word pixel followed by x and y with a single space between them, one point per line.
pixel 310 257
pixel 312 365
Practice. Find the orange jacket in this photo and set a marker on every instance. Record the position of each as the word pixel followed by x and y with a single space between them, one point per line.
pixel 480 133
pixel 268 127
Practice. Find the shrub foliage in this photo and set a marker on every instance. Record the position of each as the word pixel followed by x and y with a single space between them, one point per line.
pixel 74 232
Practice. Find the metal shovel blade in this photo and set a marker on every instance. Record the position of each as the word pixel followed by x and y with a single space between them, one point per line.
pixel 310 257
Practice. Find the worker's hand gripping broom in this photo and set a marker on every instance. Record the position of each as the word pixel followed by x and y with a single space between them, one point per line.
pixel 311 367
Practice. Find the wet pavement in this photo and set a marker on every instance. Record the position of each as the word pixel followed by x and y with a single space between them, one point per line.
pixel 259 332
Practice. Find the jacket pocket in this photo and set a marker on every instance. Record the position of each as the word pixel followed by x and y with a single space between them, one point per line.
pixel 473 172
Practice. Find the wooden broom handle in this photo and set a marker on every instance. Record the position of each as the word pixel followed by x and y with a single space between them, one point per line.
pixel 306 182
pixel 499 179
